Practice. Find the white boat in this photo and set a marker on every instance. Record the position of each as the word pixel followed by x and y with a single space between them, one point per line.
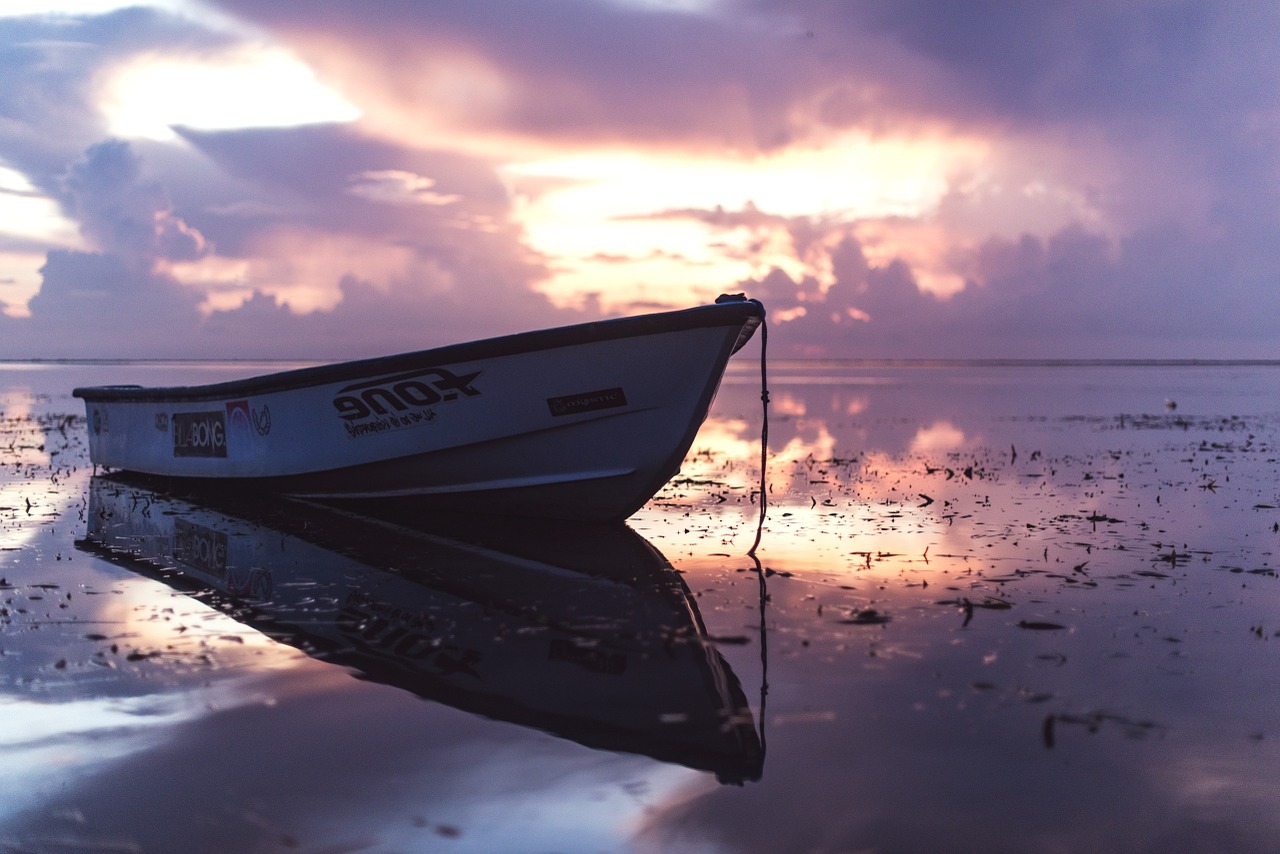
pixel 580 422
pixel 582 631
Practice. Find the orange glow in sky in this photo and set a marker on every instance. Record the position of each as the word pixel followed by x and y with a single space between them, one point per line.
pixel 27 214
pixel 626 224
pixel 249 87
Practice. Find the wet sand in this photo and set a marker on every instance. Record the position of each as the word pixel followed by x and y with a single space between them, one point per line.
pixel 1002 608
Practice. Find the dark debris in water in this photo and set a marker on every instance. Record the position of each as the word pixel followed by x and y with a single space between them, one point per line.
pixel 1109 536
pixel 866 617
pixel 1040 625
pixel 1093 723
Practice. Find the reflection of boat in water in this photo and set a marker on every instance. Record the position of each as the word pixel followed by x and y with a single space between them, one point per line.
pixel 584 631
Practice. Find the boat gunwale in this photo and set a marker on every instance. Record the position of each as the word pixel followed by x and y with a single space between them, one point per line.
pixel 735 313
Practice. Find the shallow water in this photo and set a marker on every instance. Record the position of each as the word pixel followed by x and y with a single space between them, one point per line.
pixel 1003 608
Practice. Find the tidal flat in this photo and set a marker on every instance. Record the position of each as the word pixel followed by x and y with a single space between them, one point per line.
pixel 995 607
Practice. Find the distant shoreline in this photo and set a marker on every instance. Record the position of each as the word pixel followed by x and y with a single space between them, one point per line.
pixel 745 364
pixel 1009 363
pixel 167 362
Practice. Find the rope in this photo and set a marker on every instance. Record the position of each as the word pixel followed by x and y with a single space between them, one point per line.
pixel 764 501
pixel 764 432
pixel 764 655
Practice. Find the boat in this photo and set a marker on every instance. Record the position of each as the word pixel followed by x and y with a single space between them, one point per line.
pixel 582 631
pixel 582 422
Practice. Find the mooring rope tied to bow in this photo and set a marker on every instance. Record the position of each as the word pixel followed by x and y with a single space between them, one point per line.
pixel 764 430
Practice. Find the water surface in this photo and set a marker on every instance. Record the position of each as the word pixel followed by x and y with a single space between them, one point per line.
pixel 1003 607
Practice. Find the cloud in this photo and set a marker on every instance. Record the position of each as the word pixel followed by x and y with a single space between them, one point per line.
pixel 908 178
pixel 569 71
pixel 1115 137
pixel 225 244
pixel 53 67
pixel 323 177
pixel 399 187
pixel 122 214
pixel 1064 61
pixel 1075 294
pixel 312 265
pixel 94 305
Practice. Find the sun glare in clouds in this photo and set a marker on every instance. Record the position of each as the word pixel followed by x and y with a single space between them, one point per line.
pixel 27 216
pixel 632 226
pixel 248 87
pixel 28 213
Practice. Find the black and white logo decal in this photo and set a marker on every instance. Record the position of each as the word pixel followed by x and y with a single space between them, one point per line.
pixel 402 400
pixel 199 434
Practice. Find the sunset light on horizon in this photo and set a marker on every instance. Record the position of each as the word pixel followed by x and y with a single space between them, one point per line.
pixel 225 178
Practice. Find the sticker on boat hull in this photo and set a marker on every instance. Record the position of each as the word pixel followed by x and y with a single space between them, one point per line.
pixel 200 434
pixel 262 420
pixel 574 404
pixel 400 400
pixel 239 424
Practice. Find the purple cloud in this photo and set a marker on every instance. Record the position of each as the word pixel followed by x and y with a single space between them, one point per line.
pixel 464 274
pixel 121 213
pixel 1144 128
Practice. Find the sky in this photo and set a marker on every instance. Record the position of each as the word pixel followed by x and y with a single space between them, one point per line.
pixel 893 179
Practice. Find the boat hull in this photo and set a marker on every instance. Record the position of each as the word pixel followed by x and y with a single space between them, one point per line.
pixel 583 422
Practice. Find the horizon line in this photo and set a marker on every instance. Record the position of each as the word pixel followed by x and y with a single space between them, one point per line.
pixel 912 362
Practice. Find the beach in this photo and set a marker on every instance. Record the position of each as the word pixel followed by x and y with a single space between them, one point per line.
pixel 995 607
